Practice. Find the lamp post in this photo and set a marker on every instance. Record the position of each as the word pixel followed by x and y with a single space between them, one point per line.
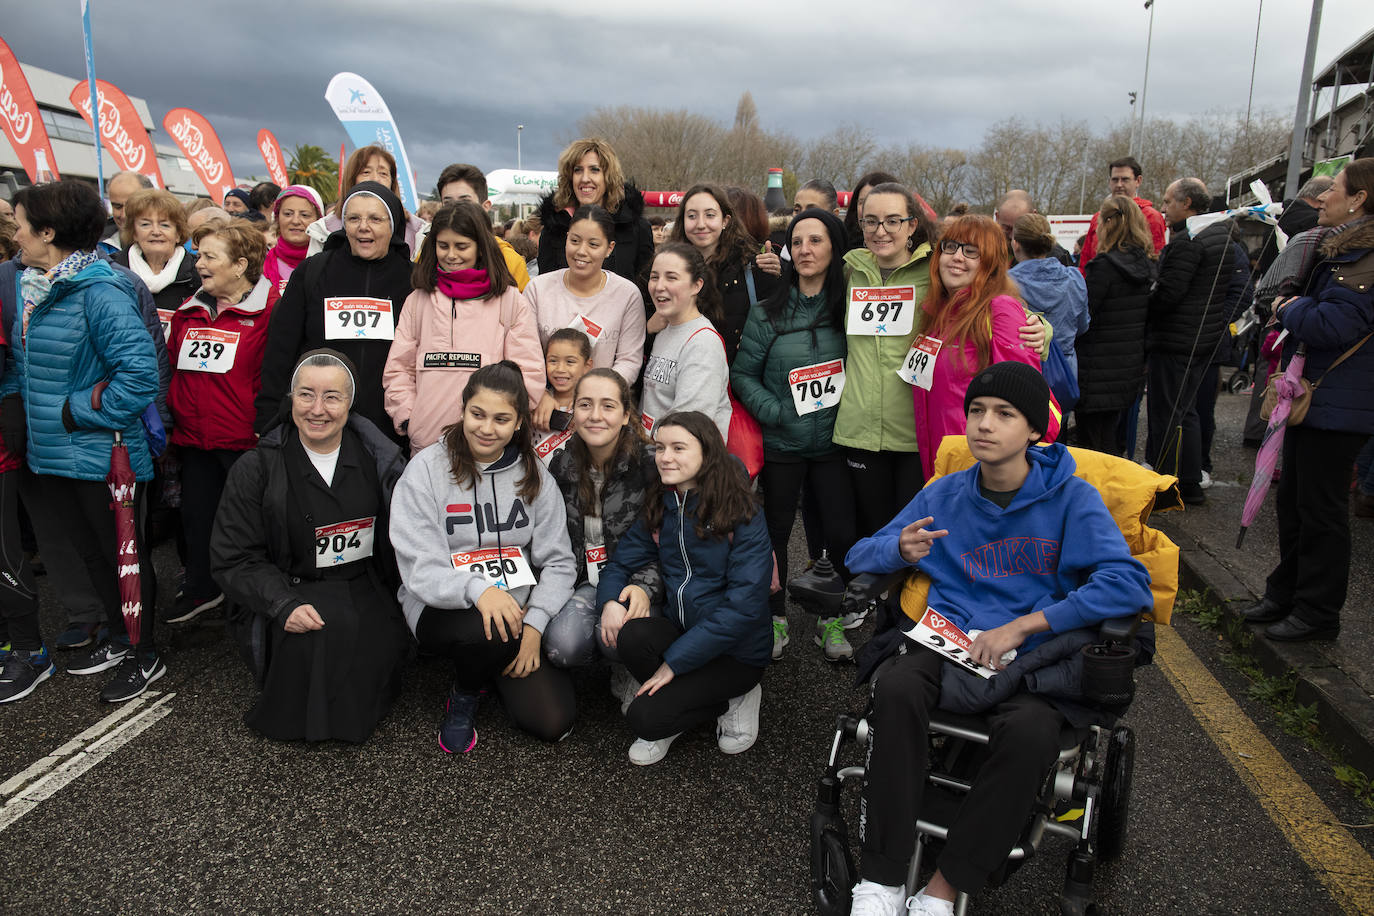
pixel 1131 149
pixel 518 129
pixel 1145 83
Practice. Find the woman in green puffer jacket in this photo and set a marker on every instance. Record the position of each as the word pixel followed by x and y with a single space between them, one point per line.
pixel 789 373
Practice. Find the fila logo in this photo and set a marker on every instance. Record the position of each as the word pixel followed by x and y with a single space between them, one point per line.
pixel 485 518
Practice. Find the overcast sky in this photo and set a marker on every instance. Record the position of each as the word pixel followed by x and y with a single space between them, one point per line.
pixel 459 76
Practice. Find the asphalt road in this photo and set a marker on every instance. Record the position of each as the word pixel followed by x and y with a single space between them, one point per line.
pixel 198 814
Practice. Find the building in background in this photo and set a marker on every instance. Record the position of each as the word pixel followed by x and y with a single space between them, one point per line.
pixel 73 140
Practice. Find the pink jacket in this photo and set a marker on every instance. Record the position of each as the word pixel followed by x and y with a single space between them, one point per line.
pixel 940 411
pixel 440 342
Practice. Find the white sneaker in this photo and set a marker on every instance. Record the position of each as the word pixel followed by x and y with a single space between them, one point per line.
pixel 1206 482
pixel 922 904
pixel 623 686
pixel 643 753
pixel 872 899
pixel 780 638
pixel 738 728
pixel 830 637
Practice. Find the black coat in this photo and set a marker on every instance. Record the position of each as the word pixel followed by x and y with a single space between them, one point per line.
pixel 732 285
pixel 1111 353
pixel 174 294
pixel 298 319
pixel 250 547
pixel 1188 304
pixel 634 241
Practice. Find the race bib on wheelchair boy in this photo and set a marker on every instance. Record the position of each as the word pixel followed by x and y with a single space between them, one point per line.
pixel 358 318
pixel 937 633
pixel 506 568
pixel 881 311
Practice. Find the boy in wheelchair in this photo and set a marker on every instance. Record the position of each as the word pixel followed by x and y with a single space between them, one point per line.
pixel 1024 551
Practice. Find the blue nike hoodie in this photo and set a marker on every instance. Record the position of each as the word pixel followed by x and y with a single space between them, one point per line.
pixel 1055 549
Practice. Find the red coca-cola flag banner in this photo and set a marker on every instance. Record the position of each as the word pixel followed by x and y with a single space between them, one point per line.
pixel 121 130
pixel 21 121
pixel 662 198
pixel 201 145
pixel 271 154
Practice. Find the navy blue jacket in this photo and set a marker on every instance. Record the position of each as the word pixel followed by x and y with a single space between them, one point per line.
pixel 1335 312
pixel 717 587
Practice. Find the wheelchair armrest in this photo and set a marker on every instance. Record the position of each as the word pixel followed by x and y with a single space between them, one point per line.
pixel 1118 630
pixel 866 587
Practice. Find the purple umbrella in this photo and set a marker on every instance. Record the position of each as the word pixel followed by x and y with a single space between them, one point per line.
pixel 1287 387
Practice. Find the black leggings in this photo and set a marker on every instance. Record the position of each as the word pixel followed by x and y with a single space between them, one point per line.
pixel 541 703
pixel 883 482
pixel 203 473
pixel 828 482
pixel 18 592
pixel 80 511
pixel 688 699
pixel 1024 743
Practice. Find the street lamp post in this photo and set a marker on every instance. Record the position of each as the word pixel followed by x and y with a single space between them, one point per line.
pixel 518 129
pixel 1145 84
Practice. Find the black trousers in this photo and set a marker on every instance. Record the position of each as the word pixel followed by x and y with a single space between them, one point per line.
pixel 883 482
pixel 1314 524
pixel 80 511
pixel 1024 744
pixel 1207 391
pixel 688 699
pixel 18 592
pixel 827 480
pixel 1174 442
pixel 1099 430
pixel 541 703
pixel 203 473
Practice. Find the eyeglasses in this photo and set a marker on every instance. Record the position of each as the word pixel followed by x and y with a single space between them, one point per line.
pixel 355 220
pixel 971 252
pixel 870 224
pixel 333 400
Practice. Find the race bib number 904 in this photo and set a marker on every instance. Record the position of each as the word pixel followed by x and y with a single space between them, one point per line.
pixel 506 568
pixel 343 543
pixel 881 311
pixel 358 318
pixel 935 632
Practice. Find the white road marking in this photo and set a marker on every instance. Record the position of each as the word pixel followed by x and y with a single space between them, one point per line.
pixel 48 776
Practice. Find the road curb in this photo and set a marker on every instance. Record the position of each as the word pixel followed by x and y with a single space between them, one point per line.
pixel 1344 711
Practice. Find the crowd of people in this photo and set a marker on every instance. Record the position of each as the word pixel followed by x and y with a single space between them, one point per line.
pixel 529 448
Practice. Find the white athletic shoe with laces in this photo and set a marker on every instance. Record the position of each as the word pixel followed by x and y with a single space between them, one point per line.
pixel 643 753
pixel 872 899
pixel 921 904
pixel 738 728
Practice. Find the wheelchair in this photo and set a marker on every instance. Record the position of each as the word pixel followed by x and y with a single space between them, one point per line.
pixel 1084 797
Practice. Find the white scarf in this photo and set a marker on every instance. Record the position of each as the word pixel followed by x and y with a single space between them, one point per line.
pixel 157 281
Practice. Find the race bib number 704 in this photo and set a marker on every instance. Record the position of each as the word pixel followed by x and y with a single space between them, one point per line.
pixel 935 632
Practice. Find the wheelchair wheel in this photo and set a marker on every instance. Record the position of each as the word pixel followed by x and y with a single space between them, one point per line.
pixel 832 874
pixel 1115 799
pixel 1239 381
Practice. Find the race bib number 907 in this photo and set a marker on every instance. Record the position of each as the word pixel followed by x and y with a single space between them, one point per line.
pixel 358 318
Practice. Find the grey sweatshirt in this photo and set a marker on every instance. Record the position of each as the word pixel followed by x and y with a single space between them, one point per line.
pixel 433 518
pixel 687 371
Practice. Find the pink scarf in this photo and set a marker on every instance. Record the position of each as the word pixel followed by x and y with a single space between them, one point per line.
pixel 281 261
pixel 463 284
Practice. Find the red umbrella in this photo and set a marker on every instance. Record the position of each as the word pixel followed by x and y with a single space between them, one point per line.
pixel 1287 387
pixel 122 482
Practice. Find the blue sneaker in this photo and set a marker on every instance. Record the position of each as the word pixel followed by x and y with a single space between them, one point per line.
pixel 458 731
pixel 81 635
pixel 4 652
pixel 23 671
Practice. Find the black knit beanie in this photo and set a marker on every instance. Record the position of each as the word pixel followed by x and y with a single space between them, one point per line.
pixel 1020 385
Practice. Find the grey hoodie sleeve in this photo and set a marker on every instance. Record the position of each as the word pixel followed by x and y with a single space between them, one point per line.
pixel 422 546
pixel 550 553
pixel 701 379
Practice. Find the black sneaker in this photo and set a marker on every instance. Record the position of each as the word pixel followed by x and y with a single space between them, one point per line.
pixel 188 608
pixel 458 730
pixel 81 635
pixel 132 677
pixel 102 658
pixel 23 671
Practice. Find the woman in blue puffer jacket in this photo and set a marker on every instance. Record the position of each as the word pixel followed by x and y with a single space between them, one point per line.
pixel 704 657
pixel 86 367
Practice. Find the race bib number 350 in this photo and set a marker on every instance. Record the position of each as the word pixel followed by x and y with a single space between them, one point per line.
pixel 358 318
pixel 343 543
pixel 881 311
pixel 816 387
pixel 935 632
pixel 506 568
pixel 208 350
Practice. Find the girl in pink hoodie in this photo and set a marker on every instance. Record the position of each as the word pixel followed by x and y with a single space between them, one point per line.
pixel 465 313
pixel 969 320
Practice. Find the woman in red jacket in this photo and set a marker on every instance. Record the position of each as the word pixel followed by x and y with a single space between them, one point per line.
pixel 216 348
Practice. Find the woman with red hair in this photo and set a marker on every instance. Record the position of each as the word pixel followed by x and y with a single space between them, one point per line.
pixel 969 320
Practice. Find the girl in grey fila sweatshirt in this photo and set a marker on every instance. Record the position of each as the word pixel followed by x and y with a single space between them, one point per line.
pixel 481 539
